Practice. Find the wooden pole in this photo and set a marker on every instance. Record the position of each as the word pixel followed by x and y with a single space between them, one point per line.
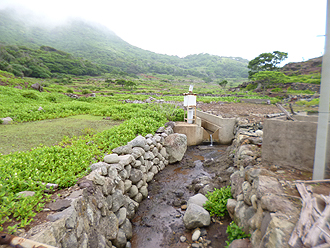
pixel 323 120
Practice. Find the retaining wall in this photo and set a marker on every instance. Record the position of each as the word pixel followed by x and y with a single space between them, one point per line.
pixel 103 203
pixel 260 204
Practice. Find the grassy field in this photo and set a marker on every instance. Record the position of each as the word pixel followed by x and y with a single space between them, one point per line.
pixel 28 135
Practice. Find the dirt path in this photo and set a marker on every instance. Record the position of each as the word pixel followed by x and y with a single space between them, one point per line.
pixel 158 221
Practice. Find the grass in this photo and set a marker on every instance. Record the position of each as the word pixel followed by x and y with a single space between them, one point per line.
pixel 28 135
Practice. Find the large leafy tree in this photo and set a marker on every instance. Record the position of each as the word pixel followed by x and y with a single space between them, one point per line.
pixel 266 62
pixel 265 78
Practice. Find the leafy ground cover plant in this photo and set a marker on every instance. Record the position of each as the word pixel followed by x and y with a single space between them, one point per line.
pixel 217 201
pixel 235 232
pixel 70 159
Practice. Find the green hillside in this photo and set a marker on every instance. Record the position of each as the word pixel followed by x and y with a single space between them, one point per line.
pixel 101 46
pixel 44 62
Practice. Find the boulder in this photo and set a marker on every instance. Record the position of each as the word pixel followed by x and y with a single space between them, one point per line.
pixel 37 86
pixel 196 216
pixel 6 120
pixel 278 232
pixel 139 141
pixel 126 159
pixel 135 176
pixel 240 243
pixel 176 146
pixel 198 199
pixel 266 185
pixel 123 150
pixel 111 159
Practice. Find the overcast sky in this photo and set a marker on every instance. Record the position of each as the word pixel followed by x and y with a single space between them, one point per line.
pixel 239 28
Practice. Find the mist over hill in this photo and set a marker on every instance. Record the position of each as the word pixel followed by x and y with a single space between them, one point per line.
pixel 109 52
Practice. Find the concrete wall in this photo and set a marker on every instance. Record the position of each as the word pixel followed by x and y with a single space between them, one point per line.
pixel 194 132
pixel 290 143
pixel 226 126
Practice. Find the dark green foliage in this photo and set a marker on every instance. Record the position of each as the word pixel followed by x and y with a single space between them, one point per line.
pixel 85 92
pixel 51 98
pixel 43 62
pixel 266 62
pixel 235 232
pixel 30 95
pixel 277 90
pixel 269 77
pixel 217 201
pixel 251 86
pixel 69 91
pixel 223 83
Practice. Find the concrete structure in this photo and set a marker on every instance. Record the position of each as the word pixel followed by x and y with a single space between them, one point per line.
pixel 290 144
pixel 195 133
pixel 222 129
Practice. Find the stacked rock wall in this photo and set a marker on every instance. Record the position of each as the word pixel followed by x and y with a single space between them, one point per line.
pixel 105 201
pixel 260 205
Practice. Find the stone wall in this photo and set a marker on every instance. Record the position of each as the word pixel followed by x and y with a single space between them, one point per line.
pixel 260 205
pixel 98 212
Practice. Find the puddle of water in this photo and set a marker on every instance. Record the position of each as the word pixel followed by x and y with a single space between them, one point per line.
pixel 159 219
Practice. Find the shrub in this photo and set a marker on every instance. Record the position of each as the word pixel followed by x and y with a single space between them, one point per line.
pixel 251 86
pixel 85 92
pixel 277 90
pixel 235 232
pixel 30 95
pixel 217 201
pixel 51 98
pixel 69 91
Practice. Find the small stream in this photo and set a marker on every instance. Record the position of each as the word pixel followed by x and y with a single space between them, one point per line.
pixel 159 219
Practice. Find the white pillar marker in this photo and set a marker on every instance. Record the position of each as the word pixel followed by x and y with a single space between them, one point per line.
pixel 320 158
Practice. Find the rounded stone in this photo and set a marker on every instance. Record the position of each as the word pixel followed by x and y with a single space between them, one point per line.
pixel 133 191
pixel 144 191
pixel 138 198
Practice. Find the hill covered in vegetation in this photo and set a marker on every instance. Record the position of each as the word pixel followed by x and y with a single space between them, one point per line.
pixel 109 52
pixel 44 62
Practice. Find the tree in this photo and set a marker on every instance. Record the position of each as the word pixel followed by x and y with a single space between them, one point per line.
pixel 121 82
pixel 265 78
pixel 223 83
pixel 266 62
pixel 130 84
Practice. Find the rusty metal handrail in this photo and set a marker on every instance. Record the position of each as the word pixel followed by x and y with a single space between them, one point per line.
pixel 18 242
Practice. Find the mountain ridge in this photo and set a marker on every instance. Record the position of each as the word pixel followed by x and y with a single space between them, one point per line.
pixel 102 46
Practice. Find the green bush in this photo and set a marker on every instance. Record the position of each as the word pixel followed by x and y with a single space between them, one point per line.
pixel 51 98
pixel 85 92
pixel 69 91
pixel 251 87
pixel 217 201
pixel 30 95
pixel 277 90
pixel 235 232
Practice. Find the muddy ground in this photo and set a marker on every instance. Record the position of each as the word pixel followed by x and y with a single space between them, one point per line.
pixel 159 219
